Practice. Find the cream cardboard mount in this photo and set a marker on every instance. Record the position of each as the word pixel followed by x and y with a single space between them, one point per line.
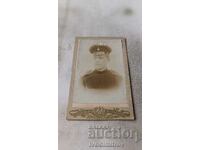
pixel 100 87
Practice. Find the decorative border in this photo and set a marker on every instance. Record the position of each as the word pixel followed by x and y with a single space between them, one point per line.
pixel 75 113
pixel 100 113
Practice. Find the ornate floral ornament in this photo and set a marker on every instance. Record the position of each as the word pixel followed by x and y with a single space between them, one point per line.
pixel 100 113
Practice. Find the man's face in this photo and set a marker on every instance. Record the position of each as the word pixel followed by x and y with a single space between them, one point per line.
pixel 101 59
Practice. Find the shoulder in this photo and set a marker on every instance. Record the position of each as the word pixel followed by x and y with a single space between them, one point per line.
pixel 115 75
pixel 87 74
pixel 114 72
pixel 87 78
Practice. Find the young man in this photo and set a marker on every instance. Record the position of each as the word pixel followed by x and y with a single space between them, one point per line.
pixel 101 77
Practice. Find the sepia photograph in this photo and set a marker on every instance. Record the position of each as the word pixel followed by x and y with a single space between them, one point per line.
pixel 100 73
pixel 100 83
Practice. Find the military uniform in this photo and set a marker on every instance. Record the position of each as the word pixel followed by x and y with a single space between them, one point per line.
pixel 101 79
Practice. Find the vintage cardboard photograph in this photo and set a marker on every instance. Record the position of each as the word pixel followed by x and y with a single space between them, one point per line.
pixel 100 86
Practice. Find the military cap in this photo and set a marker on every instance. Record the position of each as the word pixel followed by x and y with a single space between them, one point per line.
pixel 100 48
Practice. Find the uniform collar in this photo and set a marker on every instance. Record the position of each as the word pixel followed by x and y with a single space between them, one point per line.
pixel 97 71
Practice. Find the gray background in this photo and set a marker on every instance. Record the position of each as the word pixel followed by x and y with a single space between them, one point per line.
pixel 98 18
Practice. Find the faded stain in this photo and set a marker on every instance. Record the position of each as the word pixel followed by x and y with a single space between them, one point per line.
pixel 128 11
